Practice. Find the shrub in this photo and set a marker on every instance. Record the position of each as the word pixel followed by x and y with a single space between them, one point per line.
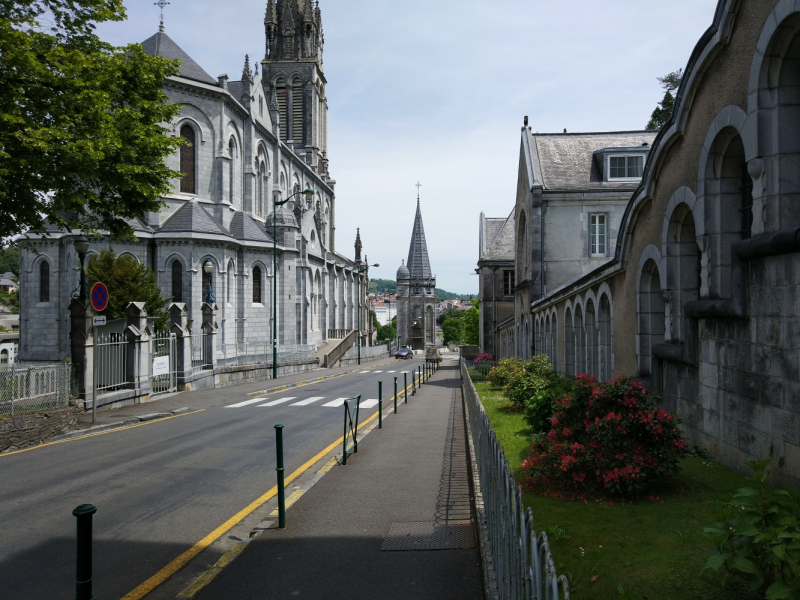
pixel 607 437
pixel 504 372
pixel 532 378
pixel 538 411
pixel 484 356
pixel 756 537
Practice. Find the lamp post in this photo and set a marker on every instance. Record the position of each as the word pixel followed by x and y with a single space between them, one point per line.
pixel 82 248
pixel 208 268
pixel 275 204
pixel 359 272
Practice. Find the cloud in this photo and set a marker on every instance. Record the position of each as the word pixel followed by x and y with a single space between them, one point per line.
pixel 436 91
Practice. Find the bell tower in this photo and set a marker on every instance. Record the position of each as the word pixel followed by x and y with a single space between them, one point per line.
pixel 292 70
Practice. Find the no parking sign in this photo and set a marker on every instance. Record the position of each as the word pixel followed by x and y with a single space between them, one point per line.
pixel 99 296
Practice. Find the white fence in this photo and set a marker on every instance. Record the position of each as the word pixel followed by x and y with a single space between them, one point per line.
pixel 523 564
pixel 25 390
pixel 110 362
pixel 163 363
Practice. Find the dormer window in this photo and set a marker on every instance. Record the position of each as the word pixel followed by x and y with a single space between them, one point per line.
pixel 622 166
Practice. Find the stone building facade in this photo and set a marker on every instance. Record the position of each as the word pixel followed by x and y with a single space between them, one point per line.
pixel 416 293
pixel 699 300
pixel 249 141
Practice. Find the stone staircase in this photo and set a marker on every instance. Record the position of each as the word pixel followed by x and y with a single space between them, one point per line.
pixel 339 342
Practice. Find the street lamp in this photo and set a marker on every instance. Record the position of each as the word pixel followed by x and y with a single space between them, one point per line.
pixel 82 248
pixel 208 268
pixel 308 192
pixel 359 272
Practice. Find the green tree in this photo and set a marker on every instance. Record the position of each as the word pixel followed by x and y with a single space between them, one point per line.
pixel 452 330
pixel 82 136
pixel 375 323
pixel 670 82
pixel 9 260
pixel 471 325
pixel 450 313
pixel 127 281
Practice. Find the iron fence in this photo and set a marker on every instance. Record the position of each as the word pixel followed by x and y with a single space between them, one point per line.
pixel 111 362
pixel 256 353
pixel 479 369
pixel 26 390
pixel 523 563
pixel 163 363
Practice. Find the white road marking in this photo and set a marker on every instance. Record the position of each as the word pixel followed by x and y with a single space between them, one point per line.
pixel 278 401
pixel 377 371
pixel 391 371
pixel 245 403
pixel 308 401
pixel 369 403
pixel 335 403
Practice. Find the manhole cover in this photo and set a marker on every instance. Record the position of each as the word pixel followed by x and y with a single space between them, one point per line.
pixel 428 535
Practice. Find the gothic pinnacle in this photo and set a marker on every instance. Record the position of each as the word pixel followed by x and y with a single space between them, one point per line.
pixel 247 74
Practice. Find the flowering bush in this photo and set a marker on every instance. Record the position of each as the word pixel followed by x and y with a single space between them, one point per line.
pixel 505 371
pixel 485 356
pixel 532 378
pixel 607 437
pixel 538 410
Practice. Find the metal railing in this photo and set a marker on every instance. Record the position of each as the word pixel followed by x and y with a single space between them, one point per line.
pixel 163 347
pixel 339 334
pixel 110 362
pixel 523 563
pixel 201 355
pixel 350 426
pixel 257 353
pixel 366 352
pixel 26 390
pixel 479 369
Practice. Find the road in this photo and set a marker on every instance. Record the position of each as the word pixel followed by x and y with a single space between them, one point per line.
pixel 161 487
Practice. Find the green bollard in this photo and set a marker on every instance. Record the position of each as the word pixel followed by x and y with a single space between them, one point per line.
pixel 395 395
pixel 279 469
pixel 413 383
pixel 405 387
pixel 83 564
pixel 380 405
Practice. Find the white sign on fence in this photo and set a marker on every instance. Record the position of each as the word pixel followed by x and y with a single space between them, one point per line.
pixel 97 321
pixel 161 366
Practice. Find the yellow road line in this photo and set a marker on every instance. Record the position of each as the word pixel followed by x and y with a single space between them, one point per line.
pixel 206 577
pixel 91 435
pixel 181 561
pixel 294 497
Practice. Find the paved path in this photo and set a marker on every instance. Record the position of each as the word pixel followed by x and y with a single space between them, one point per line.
pixel 411 471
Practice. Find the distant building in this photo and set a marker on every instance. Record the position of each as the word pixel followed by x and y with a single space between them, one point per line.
pixel 8 286
pixel 416 293
pixel 385 311
pixel 9 344
pixel 496 285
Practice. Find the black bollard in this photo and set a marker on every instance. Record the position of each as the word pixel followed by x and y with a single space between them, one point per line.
pixel 83 568
pixel 280 470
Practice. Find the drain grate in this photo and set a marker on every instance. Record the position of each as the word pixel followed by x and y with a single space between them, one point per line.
pixel 429 535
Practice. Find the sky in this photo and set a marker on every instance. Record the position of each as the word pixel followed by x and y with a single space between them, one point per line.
pixel 435 93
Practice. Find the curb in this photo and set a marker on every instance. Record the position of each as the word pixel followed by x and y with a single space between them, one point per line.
pixel 126 423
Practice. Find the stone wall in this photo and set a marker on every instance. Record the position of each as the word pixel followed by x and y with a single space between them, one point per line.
pixel 24 431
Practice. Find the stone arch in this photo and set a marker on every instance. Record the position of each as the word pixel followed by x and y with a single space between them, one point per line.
pixel 176 267
pixel 205 278
pixel 580 338
pixel 590 325
pixel 553 334
pixel 569 341
pixel 650 310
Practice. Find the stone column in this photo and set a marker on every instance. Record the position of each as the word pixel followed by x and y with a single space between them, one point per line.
pixel 209 311
pixel 138 360
pixel 179 318
pixel 82 341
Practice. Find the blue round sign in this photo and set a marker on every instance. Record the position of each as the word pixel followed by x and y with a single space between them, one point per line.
pixel 99 296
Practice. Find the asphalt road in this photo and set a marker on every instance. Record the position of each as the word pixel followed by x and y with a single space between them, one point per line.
pixel 161 487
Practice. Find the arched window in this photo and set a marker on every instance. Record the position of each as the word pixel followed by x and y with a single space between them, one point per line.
pixel 177 281
pixel 260 106
pixel 554 342
pixel 280 93
pixel 229 287
pixel 188 161
pixel 44 282
pixel 605 338
pixel 569 344
pixel 591 340
pixel 262 187
pixel 3 357
pixel 580 342
pixel 231 170
pixel 297 111
pixel 651 316
pixel 257 285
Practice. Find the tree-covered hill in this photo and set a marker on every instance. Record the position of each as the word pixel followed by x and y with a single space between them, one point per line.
pixel 389 286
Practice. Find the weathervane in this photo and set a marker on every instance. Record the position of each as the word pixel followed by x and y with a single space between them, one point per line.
pixel 161 4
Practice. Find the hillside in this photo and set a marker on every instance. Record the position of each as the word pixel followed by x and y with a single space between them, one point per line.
pixel 389 286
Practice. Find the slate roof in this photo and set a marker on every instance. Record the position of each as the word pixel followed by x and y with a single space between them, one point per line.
pixel 566 160
pixel 8 275
pixel 4 282
pixel 162 45
pixel 418 263
pixel 193 218
pixel 246 228
pixel 501 247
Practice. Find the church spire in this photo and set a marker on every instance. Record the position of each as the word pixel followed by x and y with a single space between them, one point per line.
pixel 418 263
pixel 358 245
pixel 247 74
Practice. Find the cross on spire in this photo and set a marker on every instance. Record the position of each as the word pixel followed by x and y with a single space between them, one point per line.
pixel 419 185
pixel 161 4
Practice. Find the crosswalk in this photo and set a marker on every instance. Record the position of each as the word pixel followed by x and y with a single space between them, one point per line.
pixel 312 401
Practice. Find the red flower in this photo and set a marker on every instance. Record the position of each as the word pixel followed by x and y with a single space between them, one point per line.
pixel 566 432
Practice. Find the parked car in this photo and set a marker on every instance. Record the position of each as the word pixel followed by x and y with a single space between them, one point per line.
pixel 404 353
pixel 432 354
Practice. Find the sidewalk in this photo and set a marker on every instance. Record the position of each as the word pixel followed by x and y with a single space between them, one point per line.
pixel 368 530
pixel 166 403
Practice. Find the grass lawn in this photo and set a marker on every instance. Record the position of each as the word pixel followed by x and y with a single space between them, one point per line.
pixel 655 549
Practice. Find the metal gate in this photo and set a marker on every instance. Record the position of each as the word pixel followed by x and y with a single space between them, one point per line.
pixel 163 363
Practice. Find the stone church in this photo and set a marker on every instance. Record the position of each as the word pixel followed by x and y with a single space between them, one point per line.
pixel 416 292
pixel 260 138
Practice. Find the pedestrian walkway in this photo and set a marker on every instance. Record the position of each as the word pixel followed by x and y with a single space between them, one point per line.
pixel 395 523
